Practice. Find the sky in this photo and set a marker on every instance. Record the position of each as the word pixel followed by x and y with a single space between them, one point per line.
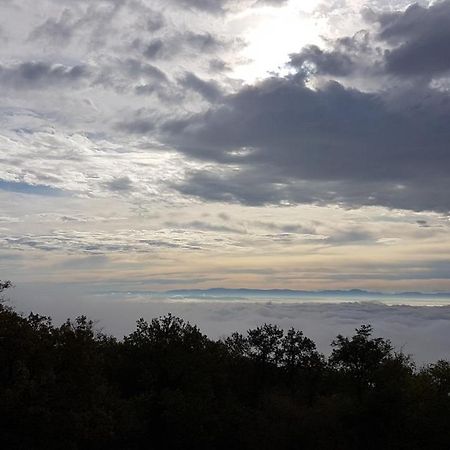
pixel 198 143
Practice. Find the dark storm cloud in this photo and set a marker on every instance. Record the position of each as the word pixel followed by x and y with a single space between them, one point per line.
pixel 39 75
pixel 330 145
pixel 250 187
pixel 421 36
pixel 284 123
pixel 410 43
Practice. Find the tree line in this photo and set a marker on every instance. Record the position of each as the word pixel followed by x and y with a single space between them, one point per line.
pixel 168 386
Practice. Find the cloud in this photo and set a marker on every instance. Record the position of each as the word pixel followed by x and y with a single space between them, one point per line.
pixel 271 2
pixel 154 49
pixel 207 89
pixel 204 226
pixel 38 75
pixel 285 227
pixel 210 6
pixel 224 216
pixel 54 30
pixel 224 6
pixel 402 44
pixel 308 138
pixel 120 184
pixel 333 63
pixel 51 162
pixel 88 23
pixel 188 42
pixel 138 69
pixel 218 65
pixel 98 243
pixel 137 125
pixel 349 237
pixel 422 223
pixel 203 42
pixel 421 39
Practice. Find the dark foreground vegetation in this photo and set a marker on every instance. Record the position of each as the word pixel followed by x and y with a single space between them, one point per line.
pixel 168 386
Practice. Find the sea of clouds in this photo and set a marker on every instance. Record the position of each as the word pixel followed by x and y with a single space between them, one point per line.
pixel 422 331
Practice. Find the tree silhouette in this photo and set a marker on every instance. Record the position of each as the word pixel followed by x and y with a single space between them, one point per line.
pixel 264 344
pixel 360 356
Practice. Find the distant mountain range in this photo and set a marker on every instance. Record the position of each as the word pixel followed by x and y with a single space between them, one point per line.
pixel 224 292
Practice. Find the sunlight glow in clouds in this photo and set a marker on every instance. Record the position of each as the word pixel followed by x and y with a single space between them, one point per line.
pixel 272 33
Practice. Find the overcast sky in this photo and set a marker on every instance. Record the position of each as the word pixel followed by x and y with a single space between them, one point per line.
pixel 152 144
